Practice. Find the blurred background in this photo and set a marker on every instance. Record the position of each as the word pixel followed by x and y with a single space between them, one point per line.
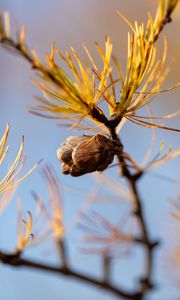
pixel 70 23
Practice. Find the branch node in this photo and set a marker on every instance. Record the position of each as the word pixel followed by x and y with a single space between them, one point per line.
pixel 154 244
pixel 10 259
pixel 146 284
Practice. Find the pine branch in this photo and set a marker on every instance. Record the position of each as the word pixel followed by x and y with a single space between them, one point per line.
pixel 138 211
pixel 17 261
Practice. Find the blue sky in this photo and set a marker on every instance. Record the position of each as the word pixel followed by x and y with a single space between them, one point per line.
pixel 70 23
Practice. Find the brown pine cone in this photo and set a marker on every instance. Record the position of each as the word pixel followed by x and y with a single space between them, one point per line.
pixel 85 154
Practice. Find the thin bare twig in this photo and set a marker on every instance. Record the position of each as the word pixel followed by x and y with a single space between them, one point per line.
pixel 149 246
pixel 17 261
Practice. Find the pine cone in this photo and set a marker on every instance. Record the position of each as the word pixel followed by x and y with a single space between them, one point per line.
pixel 85 154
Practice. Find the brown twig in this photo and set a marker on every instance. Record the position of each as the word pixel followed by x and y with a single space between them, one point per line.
pixel 138 212
pixel 146 283
pixel 17 261
pixel 63 252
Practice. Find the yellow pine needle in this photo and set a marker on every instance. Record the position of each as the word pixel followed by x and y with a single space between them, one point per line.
pixel 71 65
pixel 71 101
pixel 106 59
pixel 168 156
pixel 22 178
pixel 4 155
pixel 82 69
pixel 36 60
pixel 167 117
pixel 56 218
pixel 91 59
pixel 7 24
pixel 5 199
pixel 141 64
pixel 153 141
pixel 22 35
pixel 119 70
pixel 80 94
pixel 150 125
pixel 25 235
pixel 6 179
pixel 159 92
pixel 126 20
pixel 76 97
pixel 11 180
pixel 4 140
pixel 52 52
